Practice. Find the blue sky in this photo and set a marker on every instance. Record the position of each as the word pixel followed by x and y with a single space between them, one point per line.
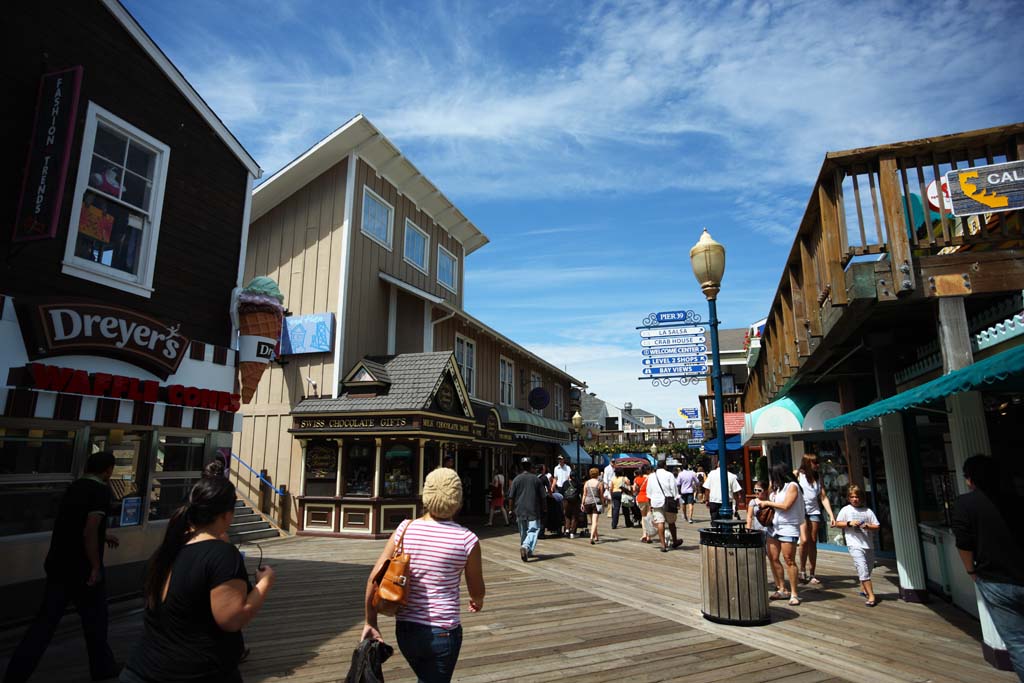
pixel 591 141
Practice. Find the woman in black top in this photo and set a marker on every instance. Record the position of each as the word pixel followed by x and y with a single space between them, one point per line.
pixel 198 597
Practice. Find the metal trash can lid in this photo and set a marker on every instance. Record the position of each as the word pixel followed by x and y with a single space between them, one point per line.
pixel 731 534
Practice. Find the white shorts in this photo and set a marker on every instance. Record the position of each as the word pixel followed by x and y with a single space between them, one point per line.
pixel 863 562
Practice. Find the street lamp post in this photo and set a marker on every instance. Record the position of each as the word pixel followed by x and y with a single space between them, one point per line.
pixel 577 424
pixel 707 258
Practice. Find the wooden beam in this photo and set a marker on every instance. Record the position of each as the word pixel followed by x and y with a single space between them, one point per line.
pixel 896 226
pixel 807 280
pixel 954 335
pixel 979 272
pixel 796 289
pixel 833 242
pixel 790 333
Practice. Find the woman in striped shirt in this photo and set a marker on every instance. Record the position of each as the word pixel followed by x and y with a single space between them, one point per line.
pixel 428 628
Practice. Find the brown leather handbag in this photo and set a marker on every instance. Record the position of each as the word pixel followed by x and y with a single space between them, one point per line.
pixel 392 580
pixel 765 516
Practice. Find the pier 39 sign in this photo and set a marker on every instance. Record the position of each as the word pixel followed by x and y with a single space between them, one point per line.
pixel 94 329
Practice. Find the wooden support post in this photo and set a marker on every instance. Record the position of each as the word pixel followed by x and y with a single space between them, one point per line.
pixel 810 294
pixel 968 430
pixel 803 346
pixel 833 242
pixel 851 444
pixel 896 226
pixel 791 333
pixel 286 508
pixel 264 493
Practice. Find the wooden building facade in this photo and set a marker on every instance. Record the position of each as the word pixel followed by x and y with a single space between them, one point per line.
pixel 378 255
pixel 127 205
pixel 904 321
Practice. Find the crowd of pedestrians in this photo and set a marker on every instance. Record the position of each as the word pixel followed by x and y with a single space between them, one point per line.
pixel 199 597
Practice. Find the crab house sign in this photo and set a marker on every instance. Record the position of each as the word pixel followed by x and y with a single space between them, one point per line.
pixel 60 329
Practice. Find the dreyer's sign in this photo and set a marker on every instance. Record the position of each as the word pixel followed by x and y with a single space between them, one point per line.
pixel 61 329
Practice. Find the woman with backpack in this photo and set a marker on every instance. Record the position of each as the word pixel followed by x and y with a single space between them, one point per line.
pixel 571 505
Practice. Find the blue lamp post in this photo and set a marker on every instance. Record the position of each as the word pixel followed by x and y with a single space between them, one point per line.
pixel 707 258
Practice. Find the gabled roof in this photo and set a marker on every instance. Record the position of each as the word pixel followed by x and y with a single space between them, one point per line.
pixel 124 17
pixel 413 380
pixel 732 339
pixel 359 136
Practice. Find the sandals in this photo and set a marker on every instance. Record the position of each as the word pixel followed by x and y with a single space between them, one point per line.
pixel 794 601
pixel 870 603
pixel 778 595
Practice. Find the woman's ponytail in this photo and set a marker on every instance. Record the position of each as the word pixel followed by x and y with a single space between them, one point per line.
pixel 179 531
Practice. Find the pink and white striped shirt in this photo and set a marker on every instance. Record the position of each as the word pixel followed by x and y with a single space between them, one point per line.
pixel 438 552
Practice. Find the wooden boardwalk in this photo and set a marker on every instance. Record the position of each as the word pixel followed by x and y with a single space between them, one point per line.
pixel 619 610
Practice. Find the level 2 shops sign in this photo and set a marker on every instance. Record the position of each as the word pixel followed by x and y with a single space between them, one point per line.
pixel 987 189
pixel 66 328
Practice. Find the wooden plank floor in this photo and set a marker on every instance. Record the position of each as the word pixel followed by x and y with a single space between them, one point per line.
pixel 619 610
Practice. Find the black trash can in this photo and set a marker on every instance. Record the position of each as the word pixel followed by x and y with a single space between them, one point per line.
pixel 734 578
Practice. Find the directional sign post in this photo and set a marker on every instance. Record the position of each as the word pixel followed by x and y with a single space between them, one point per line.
pixel 674 346
pixel 677 370
pixel 675 360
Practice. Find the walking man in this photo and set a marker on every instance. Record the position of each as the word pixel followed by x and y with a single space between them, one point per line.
pixel 992 553
pixel 528 499
pixel 661 489
pixel 607 477
pixel 687 483
pixel 74 573
pixel 561 474
pixel 714 490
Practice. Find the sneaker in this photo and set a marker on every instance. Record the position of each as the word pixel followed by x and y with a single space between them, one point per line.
pixel 524 554
pixel 691 521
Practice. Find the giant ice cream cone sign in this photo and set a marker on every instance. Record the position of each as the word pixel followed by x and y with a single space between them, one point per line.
pixel 260 316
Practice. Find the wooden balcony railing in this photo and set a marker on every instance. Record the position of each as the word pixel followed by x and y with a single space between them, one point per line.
pixel 873 202
pixel 731 403
pixel 664 436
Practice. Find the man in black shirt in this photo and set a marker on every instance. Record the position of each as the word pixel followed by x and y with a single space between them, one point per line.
pixel 74 572
pixel 992 553
pixel 529 499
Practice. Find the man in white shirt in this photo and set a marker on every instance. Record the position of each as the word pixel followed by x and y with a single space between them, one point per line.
pixel 661 489
pixel 607 477
pixel 714 489
pixel 561 473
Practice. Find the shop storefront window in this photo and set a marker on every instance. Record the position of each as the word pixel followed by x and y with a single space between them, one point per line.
pixel 130 451
pixel 398 471
pixel 359 466
pixel 178 466
pixel 321 468
pixel 35 469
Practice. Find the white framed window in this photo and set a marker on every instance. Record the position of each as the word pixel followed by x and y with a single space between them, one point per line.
pixel 119 196
pixel 506 381
pixel 447 269
pixel 536 381
pixel 416 249
pixel 559 402
pixel 378 218
pixel 465 356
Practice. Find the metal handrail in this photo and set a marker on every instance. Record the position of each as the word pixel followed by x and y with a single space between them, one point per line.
pixel 261 477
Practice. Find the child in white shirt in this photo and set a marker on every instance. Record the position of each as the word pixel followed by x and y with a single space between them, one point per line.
pixel 857 521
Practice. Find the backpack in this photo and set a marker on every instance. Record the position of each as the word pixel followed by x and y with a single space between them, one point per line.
pixel 569 490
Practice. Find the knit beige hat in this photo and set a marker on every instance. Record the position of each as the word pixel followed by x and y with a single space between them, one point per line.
pixel 442 493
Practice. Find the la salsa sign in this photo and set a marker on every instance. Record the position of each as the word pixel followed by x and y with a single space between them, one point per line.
pixel 65 328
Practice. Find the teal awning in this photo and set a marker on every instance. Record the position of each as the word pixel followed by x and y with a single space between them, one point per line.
pixel 513 417
pixel 989 371
pixel 571 456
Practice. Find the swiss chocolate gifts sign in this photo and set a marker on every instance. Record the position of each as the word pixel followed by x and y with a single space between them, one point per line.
pixel 66 328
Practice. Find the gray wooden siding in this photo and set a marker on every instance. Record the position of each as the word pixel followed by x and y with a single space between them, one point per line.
pixel 488 351
pixel 298 244
pixel 366 317
pixel 409 327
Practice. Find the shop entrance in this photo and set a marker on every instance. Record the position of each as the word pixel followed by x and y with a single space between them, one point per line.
pixel 474 483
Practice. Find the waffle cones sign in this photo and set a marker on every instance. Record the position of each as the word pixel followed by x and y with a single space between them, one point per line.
pixel 67 328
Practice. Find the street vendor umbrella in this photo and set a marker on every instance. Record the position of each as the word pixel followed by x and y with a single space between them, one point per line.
pixel 629 462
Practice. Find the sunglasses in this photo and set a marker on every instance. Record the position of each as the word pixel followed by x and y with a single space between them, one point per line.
pixel 259 564
pixel 758 490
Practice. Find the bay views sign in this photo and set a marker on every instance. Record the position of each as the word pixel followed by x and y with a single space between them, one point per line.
pixel 60 329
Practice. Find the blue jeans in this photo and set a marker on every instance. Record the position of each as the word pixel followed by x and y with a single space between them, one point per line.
pixel 529 529
pixel 431 651
pixel 1006 605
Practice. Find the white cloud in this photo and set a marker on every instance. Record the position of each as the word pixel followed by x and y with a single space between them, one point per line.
pixel 640 97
